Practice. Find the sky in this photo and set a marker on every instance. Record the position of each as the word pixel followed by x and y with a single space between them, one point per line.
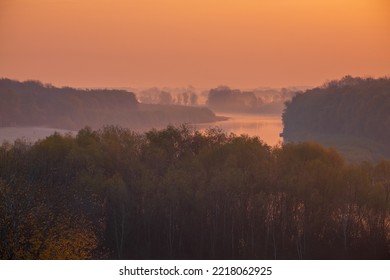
pixel 203 43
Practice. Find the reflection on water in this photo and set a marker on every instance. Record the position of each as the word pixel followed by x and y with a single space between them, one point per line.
pixel 266 127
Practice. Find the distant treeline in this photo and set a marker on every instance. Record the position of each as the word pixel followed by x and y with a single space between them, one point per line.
pixel 185 97
pixel 221 99
pixel 182 194
pixel 267 101
pixel 32 103
pixel 357 107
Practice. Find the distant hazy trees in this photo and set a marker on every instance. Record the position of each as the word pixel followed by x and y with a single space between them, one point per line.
pixel 357 107
pixel 181 194
pixel 165 98
pixel 185 97
pixel 225 99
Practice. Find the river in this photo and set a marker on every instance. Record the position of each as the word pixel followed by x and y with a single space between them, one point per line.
pixel 266 127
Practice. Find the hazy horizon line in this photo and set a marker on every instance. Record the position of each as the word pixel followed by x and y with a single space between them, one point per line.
pixel 142 87
pixel 59 84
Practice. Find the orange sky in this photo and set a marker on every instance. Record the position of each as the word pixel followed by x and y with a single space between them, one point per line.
pixel 204 43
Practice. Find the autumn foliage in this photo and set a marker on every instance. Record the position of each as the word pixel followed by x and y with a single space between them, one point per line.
pixel 178 193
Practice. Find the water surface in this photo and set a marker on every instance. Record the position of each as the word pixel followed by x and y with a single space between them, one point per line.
pixel 266 127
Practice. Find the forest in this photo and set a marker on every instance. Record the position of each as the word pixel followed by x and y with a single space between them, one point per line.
pixel 32 103
pixel 178 193
pixel 352 110
pixel 257 101
pixel 222 99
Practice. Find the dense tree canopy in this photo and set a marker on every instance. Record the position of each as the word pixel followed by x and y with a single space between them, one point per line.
pixel 32 103
pixel 355 107
pixel 181 194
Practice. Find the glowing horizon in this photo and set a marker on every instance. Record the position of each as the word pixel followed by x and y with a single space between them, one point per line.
pixel 244 44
